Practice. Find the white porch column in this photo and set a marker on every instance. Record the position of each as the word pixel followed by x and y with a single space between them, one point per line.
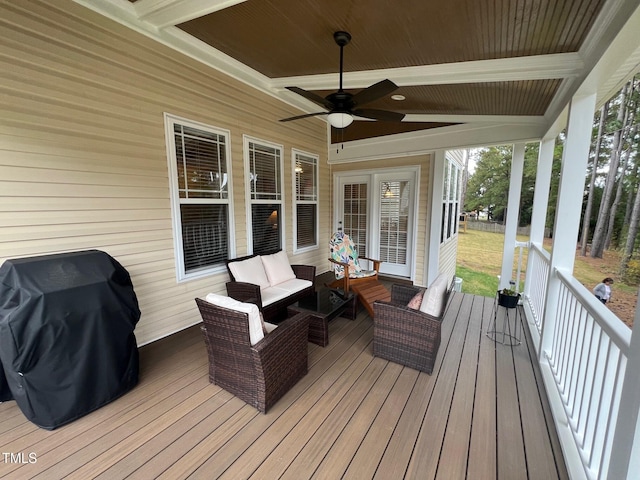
pixel 567 221
pixel 625 450
pixel 434 219
pixel 540 198
pixel 542 187
pixel 513 211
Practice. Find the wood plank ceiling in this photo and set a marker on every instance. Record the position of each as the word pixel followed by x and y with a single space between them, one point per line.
pixel 291 41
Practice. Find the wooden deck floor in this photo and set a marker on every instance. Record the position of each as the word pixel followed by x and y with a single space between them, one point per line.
pixel 481 415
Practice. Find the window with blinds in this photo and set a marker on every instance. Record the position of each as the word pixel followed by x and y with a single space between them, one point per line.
pixel 200 182
pixel 263 162
pixel 305 200
pixel 450 201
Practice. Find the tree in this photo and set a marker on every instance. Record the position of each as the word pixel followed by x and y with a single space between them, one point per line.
pixel 600 233
pixel 488 187
pixel 586 220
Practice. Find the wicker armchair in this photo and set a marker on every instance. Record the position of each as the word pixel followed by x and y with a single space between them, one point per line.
pixel 404 335
pixel 260 374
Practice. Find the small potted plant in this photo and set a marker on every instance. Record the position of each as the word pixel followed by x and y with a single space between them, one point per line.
pixel 508 298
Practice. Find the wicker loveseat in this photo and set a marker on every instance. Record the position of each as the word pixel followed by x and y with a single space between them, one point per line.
pixel 270 282
pixel 259 374
pixel 409 336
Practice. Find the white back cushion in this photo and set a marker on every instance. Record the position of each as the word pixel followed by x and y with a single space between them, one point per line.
pixel 433 299
pixel 250 271
pixel 255 323
pixel 277 267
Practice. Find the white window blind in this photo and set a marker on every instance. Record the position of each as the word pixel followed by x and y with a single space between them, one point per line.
pixel 305 201
pixel 264 166
pixel 198 165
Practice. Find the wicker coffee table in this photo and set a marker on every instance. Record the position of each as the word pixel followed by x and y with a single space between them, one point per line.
pixel 322 306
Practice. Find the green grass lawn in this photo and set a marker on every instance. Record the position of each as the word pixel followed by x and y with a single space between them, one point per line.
pixel 480 258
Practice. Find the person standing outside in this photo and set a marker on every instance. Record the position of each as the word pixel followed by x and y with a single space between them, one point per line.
pixel 603 290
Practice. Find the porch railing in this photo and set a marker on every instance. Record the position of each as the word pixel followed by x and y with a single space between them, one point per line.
pixel 538 260
pixel 586 362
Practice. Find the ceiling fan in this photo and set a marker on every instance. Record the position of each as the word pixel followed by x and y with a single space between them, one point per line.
pixel 343 106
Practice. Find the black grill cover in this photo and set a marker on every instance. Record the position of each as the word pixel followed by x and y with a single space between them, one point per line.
pixel 67 345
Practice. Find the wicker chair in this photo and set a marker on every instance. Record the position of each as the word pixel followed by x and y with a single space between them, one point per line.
pixel 404 335
pixel 260 374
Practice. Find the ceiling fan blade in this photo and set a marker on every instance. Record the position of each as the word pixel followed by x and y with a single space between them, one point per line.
pixel 383 115
pixel 298 117
pixel 374 92
pixel 317 99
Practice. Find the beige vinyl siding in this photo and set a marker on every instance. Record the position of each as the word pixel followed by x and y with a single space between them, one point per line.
pixel 424 161
pixel 448 257
pixel 83 160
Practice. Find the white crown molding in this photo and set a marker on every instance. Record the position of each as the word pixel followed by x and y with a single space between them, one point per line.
pixel 122 11
pixel 164 13
pixel 537 67
pixel 426 141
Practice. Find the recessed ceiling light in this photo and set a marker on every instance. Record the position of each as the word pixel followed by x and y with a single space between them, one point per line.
pixel 398 97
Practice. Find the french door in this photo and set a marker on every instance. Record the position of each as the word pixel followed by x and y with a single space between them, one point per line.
pixel 377 211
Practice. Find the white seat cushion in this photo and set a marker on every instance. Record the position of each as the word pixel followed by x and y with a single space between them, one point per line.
pixel 273 294
pixel 250 270
pixel 283 290
pixel 255 322
pixel 433 299
pixel 277 268
pixel 295 285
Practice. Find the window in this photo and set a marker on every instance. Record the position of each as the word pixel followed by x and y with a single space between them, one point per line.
pixel 263 164
pixel 305 200
pixel 200 180
pixel 450 200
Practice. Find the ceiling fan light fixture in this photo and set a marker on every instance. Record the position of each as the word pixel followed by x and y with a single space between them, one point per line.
pixel 340 119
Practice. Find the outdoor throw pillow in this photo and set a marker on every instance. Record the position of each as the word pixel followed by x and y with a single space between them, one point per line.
pixel 416 301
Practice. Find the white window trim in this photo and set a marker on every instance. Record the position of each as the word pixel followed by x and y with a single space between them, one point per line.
pixel 246 139
pixel 181 275
pixel 295 202
pixel 447 184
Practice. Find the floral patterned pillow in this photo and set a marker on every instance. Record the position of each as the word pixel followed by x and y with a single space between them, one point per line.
pixel 416 301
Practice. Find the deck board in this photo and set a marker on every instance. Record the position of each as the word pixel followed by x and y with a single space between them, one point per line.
pixel 511 455
pixel 458 431
pixel 482 459
pixel 352 416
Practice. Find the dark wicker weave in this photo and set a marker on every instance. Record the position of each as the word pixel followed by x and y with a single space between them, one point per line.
pixel 277 311
pixel 260 374
pixel 404 335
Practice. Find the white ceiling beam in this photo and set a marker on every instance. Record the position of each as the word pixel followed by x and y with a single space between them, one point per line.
pixel 538 67
pixel 165 13
pixel 425 141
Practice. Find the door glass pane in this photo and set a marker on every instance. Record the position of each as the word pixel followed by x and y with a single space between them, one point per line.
pixel 355 215
pixel 394 220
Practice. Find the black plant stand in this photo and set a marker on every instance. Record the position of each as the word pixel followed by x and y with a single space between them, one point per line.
pixel 511 332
